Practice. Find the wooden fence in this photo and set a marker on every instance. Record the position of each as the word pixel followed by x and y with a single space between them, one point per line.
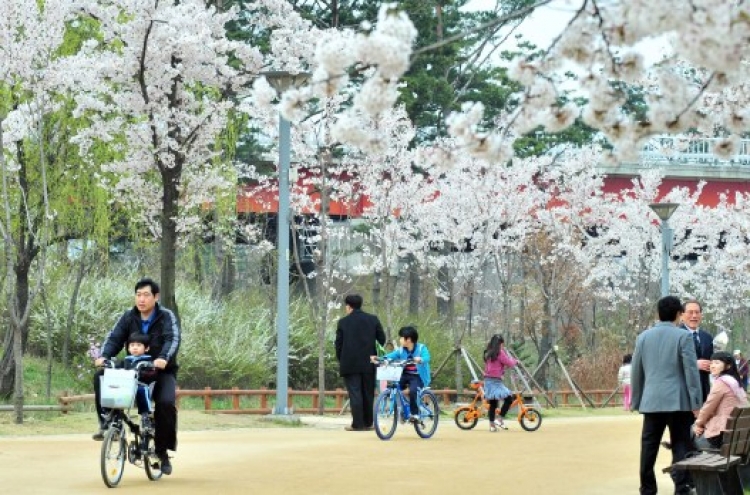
pixel 307 401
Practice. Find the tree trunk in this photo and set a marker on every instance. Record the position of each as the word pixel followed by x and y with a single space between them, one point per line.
pixel 459 374
pixel 50 353
pixel 321 361
pixel 547 341
pixel 171 180
pixel 19 324
pixel 198 264
pixel 376 288
pixel 18 345
pixel 8 365
pixel 70 320
pixel 445 305
pixel 415 286
pixel 224 283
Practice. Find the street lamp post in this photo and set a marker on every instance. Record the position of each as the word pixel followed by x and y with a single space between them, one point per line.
pixel 664 211
pixel 282 81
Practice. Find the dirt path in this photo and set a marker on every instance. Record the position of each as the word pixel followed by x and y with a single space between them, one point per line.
pixel 596 455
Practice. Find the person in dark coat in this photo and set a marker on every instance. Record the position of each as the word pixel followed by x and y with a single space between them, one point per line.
pixel 160 324
pixel 704 342
pixel 356 334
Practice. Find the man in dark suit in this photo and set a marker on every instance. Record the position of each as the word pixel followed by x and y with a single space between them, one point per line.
pixel 704 343
pixel 356 334
pixel 666 390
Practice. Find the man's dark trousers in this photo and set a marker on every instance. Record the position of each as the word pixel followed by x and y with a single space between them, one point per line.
pixel 361 389
pixel 679 424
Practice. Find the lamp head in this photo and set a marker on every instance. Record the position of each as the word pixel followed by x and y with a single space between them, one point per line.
pixel 282 80
pixel 664 210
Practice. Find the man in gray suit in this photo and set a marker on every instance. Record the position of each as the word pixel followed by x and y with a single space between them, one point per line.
pixel 666 389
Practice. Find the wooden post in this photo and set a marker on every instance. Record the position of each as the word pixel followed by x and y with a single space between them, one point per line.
pixel 613 394
pixel 236 400
pixel 207 399
pixel 64 401
pixel 263 399
pixel 315 400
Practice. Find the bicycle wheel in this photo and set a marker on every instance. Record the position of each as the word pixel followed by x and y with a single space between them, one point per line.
pixel 429 414
pixel 466 417
pixel 114 452
pixel 150 460
pixel 386 415
pixel 531 420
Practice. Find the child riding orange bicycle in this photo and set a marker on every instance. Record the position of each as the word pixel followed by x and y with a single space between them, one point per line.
pixel 497 360
pixel 467 417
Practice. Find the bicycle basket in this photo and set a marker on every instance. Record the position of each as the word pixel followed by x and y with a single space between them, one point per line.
pixel 390 373
pixel 118 388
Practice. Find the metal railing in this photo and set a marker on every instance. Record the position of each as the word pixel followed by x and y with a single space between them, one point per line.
pixel 692 151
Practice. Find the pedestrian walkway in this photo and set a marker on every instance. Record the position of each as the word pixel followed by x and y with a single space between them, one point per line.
pixel 566 456
pixel 327 422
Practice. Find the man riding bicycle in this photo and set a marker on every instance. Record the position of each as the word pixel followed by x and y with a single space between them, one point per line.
pixel 160 324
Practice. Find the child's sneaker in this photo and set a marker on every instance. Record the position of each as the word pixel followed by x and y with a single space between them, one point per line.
pixel 493 428
pixel 414 418
pixel 500 424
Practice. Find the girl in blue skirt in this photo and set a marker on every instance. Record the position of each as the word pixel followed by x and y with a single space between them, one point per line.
pixel 496 361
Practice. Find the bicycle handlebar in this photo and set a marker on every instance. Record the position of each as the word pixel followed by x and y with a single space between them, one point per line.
pixel 139 366
pixel 385 362
pixel 109 363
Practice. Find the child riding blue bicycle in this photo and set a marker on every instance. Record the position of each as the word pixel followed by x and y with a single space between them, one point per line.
pixel 415 375
pixel 407 366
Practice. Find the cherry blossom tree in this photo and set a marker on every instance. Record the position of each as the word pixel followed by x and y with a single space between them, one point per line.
pixel 159 87
pixel 698 84
pixel 30 36
pixel 711 261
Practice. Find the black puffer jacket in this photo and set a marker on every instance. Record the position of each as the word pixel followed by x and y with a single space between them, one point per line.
pixel 164 333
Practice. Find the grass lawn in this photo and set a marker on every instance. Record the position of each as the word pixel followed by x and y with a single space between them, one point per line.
pixel 55 423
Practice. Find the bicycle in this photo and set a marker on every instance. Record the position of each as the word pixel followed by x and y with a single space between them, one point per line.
pixel 466 417
pixel 392 404
pixel 118 394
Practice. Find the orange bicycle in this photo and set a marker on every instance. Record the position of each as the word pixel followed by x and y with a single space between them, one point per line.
pixel 466 417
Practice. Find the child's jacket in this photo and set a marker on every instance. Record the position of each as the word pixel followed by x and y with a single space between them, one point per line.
pixel 420 350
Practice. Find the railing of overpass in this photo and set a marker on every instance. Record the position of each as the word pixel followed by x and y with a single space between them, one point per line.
pixel 692 151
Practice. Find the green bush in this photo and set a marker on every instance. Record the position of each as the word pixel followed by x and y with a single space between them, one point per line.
pixel 230 343
pixel 226 344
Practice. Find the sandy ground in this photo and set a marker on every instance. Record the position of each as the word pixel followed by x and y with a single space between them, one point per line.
pixel 596 455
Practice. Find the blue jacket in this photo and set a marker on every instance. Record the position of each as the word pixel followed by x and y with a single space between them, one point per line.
pixel 420 350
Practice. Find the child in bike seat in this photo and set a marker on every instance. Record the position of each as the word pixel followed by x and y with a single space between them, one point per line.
pixel 138 344
pixel 417 374
pixel 496 360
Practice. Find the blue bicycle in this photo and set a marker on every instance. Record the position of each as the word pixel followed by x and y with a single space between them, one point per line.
pixel 391 405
